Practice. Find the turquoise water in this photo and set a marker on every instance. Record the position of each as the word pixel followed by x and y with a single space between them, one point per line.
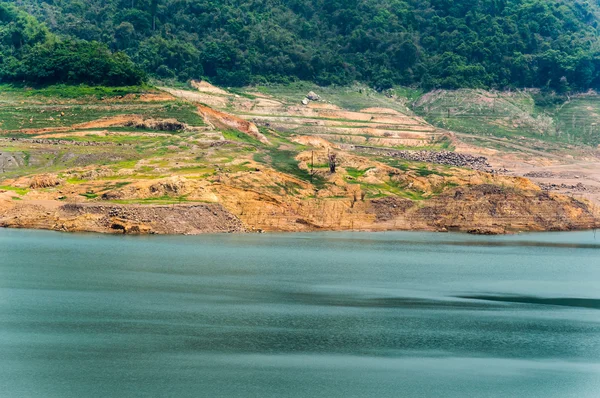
pixel 299 315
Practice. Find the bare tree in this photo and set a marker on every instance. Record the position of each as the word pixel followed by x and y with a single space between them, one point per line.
pixel 332 157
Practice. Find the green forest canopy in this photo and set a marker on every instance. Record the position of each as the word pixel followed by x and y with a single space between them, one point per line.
pixel 30 53
pixel 429 43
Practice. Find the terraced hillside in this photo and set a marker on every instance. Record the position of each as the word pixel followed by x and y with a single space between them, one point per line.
pixel 204 159
pixel 352 115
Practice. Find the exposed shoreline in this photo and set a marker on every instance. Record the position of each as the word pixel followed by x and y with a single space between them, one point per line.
pixel 489 214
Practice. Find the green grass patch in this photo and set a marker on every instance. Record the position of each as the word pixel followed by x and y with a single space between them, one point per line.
pixel 127 164
pixel 238 136
pixel 424 171
pixel 19 191
pixel 353 98
pixel 193 170
pixel 241 93
pixel 285 162
pixel 15 116
pixel 74 91
pixel 356 173
pixel 75 181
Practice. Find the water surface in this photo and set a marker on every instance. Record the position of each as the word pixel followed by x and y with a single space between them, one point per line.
pixel 299 315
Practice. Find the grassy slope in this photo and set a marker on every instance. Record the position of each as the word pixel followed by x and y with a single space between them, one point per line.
pixel 352 98
pixel 63 106
pixel 513 115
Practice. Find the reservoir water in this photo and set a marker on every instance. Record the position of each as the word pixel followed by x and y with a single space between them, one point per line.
pixel 299 315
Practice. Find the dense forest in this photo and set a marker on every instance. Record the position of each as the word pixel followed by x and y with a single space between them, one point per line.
pixel 30 53
pixel 426 43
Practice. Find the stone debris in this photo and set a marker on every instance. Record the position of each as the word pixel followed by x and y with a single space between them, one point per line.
pixel 579 187
pixel 440 157
pixel 186 219
pixel 539 174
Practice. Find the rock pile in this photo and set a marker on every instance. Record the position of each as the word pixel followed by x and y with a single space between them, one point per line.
pixel 441 157
pixel 539 174
pixel 555 187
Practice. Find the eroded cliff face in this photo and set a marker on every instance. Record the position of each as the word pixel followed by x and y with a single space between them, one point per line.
pixel 481 209
pixel 125 219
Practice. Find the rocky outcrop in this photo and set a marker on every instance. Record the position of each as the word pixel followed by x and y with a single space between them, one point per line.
pixel 480 209
pixel 126 219
pixel 11 161
pixel 491 209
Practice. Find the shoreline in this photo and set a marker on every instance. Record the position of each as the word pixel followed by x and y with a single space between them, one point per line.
pixel 308 233
pixel 202 219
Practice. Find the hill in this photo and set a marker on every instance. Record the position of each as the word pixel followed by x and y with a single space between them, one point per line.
pixel 426 43
pixel 205 159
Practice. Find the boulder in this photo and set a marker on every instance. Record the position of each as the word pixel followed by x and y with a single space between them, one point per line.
pixel 313 96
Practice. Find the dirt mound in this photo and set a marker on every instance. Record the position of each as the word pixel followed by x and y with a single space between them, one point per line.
pixel 44 181
pixel 175 185
pixel 490 210
pixel 391 207
pixel 206 87
pixel 225 120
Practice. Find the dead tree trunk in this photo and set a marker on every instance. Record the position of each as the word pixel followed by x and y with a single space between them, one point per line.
pixel 332 158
